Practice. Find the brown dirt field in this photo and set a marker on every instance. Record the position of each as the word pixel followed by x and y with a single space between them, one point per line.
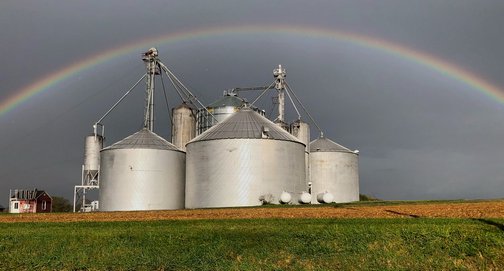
pixel 483 209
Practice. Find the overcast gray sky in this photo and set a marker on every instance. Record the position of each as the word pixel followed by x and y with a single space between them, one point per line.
pixel 421 133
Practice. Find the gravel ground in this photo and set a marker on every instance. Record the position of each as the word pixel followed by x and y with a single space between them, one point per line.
pixel 483 209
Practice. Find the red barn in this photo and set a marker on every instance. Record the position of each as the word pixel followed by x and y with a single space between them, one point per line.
pixel 30 201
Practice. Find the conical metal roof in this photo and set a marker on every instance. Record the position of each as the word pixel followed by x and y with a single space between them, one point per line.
pixel 143 139
pixel 227 100
pixel 246 123
pixel 323 144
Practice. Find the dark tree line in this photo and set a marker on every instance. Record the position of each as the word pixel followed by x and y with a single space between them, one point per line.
pixel 60 205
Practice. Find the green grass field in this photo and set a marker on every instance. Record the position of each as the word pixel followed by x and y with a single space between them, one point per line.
pixel 259 244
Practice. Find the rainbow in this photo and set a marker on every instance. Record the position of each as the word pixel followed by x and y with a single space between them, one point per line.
pixel 428 61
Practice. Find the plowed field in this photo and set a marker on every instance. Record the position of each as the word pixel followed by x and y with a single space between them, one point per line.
pixel 483 209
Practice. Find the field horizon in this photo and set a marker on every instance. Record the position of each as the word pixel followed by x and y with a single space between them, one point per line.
pixel 362 209
pixel 448 235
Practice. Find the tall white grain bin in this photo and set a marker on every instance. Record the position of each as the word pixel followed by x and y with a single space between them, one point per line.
pixel 242 160
pixel 142 172
pixel 333 170
pixel 301 130
pixel 183 125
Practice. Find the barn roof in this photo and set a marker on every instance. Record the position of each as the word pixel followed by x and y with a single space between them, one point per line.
pixel 25 194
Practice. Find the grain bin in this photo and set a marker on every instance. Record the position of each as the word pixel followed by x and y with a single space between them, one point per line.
pixel 334 171
pixel 183 125
pixel 242 160
pixel 301 130
pixel 142 172
pixel 220 110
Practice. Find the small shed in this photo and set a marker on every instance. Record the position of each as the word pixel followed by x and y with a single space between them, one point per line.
pixel 29 201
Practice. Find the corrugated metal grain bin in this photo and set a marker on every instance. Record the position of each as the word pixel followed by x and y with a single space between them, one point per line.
pixel 333 169
pixel 242 160
pixel 142 172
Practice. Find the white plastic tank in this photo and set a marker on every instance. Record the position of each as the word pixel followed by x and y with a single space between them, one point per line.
pixel 142 172
pixel 183 125
pixel 334 170
pixel 242 159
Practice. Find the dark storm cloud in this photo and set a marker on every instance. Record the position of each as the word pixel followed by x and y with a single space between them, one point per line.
pixel 421 134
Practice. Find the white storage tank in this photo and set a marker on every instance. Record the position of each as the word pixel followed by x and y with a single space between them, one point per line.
pixel 91 167
pixel 334 172
pixel 142 172
pixel 94 143
pixel 242 161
